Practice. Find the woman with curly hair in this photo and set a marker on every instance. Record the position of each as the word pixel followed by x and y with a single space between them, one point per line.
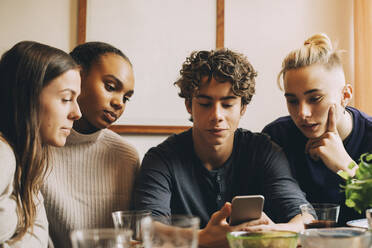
pixel 198 172
pixel 39 86
pixel 323 137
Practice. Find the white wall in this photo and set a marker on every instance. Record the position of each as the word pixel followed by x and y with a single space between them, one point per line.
pixel 50 22
pixel 266 31
pixel 158 34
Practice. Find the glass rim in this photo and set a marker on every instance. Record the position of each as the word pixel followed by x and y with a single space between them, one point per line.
pixel 325 206
pixel 283 235
pixel 102 232
pixel 314 232
pixel 131 212
pixel 192 219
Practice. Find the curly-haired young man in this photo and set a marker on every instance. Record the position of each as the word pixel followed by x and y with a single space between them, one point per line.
pixel 199 171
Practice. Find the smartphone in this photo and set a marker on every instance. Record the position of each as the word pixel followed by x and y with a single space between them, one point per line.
pixel 246 208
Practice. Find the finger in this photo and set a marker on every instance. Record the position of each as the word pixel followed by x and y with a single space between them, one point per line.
pixel 331 127
pixel 260 221
pixel 259 228
pixel 221 215
pixel 310 144
pixel 313 153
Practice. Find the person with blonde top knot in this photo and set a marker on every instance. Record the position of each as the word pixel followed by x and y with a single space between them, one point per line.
pixel 322 136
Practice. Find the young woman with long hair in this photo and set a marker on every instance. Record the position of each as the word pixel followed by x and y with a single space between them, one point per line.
pixel 39 86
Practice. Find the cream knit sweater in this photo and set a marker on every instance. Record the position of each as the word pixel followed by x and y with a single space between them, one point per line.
pixel 8 207
pixel 91 176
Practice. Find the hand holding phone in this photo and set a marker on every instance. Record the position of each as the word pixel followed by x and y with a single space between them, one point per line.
pixel 246 208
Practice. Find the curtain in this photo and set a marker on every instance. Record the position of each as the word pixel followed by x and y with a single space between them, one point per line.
pixel 363 55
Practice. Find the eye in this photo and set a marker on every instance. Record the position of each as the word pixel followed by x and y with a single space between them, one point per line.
pixel 205 105
pixel 227 105
pixel 110 86
pixel 292 101
pixel 126 99
pixel 66 100
pixel 315 99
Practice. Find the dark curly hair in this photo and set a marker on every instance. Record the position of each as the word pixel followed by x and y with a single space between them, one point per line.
pixel 223 65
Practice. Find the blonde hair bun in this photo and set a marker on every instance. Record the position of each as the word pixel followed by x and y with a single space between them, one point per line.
pixel 322 41
pixel 317 49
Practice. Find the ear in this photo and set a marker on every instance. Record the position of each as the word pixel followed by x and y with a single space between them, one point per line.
pixel 243 109
pixel 188 105
pixel 347 95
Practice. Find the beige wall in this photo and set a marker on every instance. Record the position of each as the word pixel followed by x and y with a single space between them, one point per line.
pixel 158 34
pixel 53 22
pixel 266 31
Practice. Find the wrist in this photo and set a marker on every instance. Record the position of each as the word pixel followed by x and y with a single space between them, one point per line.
pixel 349 171
pixel 202 238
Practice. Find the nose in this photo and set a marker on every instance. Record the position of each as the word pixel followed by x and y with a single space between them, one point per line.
pixel 304 111
pixel 75 113
pixel 216 114
pixel 117 102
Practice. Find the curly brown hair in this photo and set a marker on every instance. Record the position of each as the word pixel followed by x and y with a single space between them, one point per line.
pixel 223 65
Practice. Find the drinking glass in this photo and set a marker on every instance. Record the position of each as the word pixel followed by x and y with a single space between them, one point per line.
pixel 172 231
pixel 101 238
pixel 369 218
pixel 131 220
pixel 324 214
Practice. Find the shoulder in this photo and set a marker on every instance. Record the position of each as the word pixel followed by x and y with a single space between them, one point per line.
pixel 281 124
pixel 176 148
pixel 175 143
pixel 254 140
pixel 8 163
pixel 257 148
pixel 361 116
pixel 283 130
pixel 118 144
pixel 7 156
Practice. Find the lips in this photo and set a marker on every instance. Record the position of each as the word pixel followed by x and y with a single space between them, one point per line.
pixel 216 131
pixel 110 116
pixel 66 130
pixel 309 126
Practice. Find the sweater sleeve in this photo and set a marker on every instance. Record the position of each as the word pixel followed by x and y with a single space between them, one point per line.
pixel 38 237
pixel 8 207
pixel 153 186
pixel 282 189
pixel 8 204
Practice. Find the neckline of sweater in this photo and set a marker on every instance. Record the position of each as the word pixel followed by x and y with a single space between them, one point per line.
pixel 75 137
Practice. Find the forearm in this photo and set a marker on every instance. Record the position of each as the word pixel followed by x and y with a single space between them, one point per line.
pixel 348 169
pixel 296 224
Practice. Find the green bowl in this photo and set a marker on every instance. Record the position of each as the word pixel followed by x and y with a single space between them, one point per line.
pixel 274 239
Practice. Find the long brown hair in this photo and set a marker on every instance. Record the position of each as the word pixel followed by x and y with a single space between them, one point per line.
pixel 25 70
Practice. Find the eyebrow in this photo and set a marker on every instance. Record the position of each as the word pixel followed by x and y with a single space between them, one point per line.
pixel 211 98
pixel 69 90
pixel 305 93
pixel 117 81
pixel 120 83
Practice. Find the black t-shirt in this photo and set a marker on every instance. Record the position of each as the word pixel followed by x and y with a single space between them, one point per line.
pixel 173 180
pixel 320 184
